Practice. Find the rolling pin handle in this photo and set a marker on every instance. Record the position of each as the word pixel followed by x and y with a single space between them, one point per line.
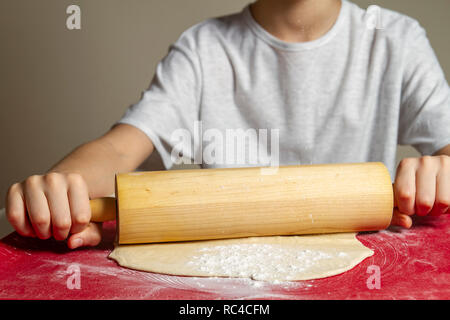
pixel 103 209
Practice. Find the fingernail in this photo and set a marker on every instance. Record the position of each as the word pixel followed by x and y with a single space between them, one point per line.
pixel 77 242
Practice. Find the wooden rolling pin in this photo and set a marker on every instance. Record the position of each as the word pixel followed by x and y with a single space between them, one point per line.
pixel 182 205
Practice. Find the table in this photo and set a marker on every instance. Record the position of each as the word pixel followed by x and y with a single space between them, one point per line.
pixel 413 264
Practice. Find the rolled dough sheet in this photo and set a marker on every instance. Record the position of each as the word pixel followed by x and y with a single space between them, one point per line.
pixel 279 258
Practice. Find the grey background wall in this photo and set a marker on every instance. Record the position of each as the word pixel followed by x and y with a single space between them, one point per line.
pixel 60 88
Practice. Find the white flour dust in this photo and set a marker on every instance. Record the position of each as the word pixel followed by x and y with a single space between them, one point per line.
pixel 256 261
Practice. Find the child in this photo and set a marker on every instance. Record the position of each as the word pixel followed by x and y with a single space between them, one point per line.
pixel 333 87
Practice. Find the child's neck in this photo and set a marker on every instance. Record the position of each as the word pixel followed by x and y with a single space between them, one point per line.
pixel 296 20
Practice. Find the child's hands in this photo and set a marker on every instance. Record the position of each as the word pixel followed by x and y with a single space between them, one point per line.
pixel 54 204
pixel 422 187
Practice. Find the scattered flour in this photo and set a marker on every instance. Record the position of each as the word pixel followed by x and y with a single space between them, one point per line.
pixel 257 261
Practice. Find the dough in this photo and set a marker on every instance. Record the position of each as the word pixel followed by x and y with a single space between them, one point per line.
pixel 277 258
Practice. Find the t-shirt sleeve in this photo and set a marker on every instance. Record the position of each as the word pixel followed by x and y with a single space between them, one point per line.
pixel 425 104
pixel 171 103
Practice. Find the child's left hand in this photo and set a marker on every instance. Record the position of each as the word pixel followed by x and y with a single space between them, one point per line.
pixel 422 187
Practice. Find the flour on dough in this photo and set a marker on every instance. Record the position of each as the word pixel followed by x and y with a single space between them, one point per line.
pixel 279 258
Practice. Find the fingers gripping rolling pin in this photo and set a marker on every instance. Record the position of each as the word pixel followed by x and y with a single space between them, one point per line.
pixel 182 205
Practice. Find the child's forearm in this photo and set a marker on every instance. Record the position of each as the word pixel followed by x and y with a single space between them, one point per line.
pixel 96 162
pixel 444 151
pixel 99 160
pixel 57 203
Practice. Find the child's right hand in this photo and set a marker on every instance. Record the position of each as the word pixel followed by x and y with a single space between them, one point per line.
pixel 54 204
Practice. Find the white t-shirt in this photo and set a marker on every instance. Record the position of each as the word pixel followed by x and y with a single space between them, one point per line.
pixel 350 96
